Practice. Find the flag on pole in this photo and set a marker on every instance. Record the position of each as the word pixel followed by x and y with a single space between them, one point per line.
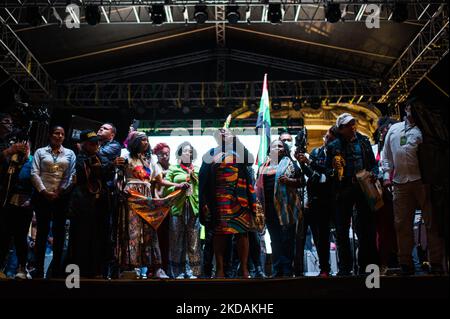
pixel 263 124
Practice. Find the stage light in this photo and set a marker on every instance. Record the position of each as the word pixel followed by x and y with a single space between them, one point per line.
pixel 316 103
pixel 209 108
pixel 276 104
pixel 140 110
pixel 333 12
pixel 296 104
pixel 33 16
pixel 274 13
pixel 252 105
pixel 92 14
pixel 200 13
pixel 158 14
pixel 232 13
pixel 400 12
pixel 185 109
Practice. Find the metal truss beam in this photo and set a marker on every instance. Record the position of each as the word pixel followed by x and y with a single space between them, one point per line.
pixel 182 11
pixel 423 53
pixel 196 94
pixel 306 69
pixel 21 65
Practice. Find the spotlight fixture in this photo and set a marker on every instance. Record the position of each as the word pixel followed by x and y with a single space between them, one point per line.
pixel 296 104
pixel 33 16
pixel 140 110
pixel 163 109
pixel 158 14
pixel 209 108
pixel 252 105
pixel 400 12
pixel 276 104
pixel 316 103
pixel 200 13
pixel 185 109
pixel 232 13
pixel 274 13
pixel 333 12
pixel 92 14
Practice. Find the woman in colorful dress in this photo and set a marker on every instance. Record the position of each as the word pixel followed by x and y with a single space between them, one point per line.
pixel 139 241
pixel 184 225
pixel 227 197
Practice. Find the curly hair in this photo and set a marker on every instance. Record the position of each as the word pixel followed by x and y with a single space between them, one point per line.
pixel 159 147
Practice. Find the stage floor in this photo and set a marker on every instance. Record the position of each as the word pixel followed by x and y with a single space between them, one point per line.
pixel 290 288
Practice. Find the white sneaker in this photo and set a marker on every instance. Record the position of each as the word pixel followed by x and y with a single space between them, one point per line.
pixel 161 274
pixel 144 272
pixel 192 277
pixel 138 273
pixel 21 275
pixel 180 276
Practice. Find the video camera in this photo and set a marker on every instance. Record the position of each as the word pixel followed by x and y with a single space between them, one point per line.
pixel 24 116
pixel 301 141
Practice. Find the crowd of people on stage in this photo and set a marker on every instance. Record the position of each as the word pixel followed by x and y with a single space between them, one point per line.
pixel 77 201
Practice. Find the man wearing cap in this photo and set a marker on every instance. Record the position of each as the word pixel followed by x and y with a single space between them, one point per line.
pixel 348 154
pixel 88 208
pixel 400 157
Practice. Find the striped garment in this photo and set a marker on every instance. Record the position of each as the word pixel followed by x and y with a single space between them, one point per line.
pixel 233 213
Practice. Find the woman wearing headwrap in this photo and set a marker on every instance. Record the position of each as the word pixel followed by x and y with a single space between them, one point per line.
pixel 139 241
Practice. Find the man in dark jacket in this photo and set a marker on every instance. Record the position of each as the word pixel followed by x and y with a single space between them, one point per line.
pixel 109 149
pixel 350 153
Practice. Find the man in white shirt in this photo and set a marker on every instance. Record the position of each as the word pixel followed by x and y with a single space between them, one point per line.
pixel 400 158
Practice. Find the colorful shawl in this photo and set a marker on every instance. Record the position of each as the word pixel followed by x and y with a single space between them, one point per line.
pixel 286 199
pixel 152 210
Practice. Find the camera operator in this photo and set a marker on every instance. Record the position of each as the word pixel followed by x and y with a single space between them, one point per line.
pixel 8 156
pixel 88 208
pixel 6 149
pixel 320 191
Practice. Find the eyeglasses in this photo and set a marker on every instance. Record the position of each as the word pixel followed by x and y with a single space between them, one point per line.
pixel 7 123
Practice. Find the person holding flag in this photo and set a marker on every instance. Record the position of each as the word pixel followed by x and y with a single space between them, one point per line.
pixel 227 198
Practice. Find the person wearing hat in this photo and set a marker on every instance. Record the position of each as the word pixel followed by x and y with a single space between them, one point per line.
pixel 348 154
pixel 88 208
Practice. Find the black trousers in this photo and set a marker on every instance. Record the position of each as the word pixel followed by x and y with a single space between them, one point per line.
pixel 322 209
pixel 351 196
pixel 16 223
pixel 208 252
pixel 308 220
pixel 282 240
pixel 54 212
pixel 89 237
